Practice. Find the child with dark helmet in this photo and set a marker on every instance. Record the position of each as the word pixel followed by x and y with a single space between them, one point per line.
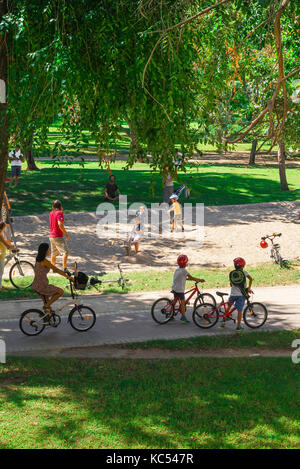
pixel 181 275
pixel 237 297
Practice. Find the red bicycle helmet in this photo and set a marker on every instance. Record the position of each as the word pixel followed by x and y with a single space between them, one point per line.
pixel 239 261
pixel 182 260
pixel 263 244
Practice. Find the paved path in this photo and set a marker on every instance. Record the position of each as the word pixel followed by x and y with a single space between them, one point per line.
pixel 126 318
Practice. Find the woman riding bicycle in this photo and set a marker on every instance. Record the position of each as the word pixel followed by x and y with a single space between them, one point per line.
pixel 41 284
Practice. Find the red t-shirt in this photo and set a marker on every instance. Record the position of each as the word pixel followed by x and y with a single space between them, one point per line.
pixel 54 217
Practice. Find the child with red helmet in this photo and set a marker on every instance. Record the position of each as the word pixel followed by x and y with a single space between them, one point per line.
pixel 236 296
pixel 181 275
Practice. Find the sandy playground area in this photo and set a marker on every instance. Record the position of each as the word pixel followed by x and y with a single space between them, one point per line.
pixel 229 231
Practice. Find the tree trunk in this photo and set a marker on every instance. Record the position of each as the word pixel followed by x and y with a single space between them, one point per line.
pixel 134 145
pixel 253 153
pixel 28 153
pixel 4 126
pixel 281 164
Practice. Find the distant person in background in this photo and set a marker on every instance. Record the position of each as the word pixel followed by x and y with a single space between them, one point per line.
pixel 58 235
pixel 178 158
pixel 168 184
pixel 111 189
pixel 15 157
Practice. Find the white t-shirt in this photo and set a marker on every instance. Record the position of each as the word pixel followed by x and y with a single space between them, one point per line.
pixel 235 291
pixel 179 280
pixel 15 154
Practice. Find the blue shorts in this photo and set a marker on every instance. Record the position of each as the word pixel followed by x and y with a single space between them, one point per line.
pixel 238 301
pixel 15 171
pixel 179 295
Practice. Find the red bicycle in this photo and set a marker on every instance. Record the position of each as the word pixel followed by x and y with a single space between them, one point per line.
pixel 207 315
pixel 164 309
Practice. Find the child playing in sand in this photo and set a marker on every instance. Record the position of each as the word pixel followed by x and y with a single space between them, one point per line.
pixel 137 232
pixel 176 209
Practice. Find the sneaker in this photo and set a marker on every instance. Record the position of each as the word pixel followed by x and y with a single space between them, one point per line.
pixel 239 329
pixel 184 319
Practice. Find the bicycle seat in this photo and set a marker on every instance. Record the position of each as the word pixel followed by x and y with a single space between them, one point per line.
pixel 221 294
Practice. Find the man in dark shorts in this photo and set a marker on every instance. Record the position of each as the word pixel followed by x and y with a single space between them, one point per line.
pixel 111 189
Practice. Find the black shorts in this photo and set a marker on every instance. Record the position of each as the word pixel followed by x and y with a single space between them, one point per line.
pixel 179 295
pixel 15 171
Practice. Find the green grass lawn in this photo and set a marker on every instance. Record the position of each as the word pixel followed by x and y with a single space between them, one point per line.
pixel 82 189
pixel 152 280
pixel 180 403
pixel 260 340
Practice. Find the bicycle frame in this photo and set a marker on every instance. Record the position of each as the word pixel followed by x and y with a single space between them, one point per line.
pixel 193 290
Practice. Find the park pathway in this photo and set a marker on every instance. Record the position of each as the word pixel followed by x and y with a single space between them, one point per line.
pixel 125 318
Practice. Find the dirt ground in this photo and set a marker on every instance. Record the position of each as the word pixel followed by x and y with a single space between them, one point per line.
pixel 229 231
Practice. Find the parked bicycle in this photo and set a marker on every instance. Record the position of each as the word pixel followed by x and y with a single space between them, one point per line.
pixel 121 281
pixel 82 318
pixel 275 249
pixel 164 309
pixel 207 315
pixel 21 273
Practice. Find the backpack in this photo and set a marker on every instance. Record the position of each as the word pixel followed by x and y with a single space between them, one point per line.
pixel 238 279
pixel 80 281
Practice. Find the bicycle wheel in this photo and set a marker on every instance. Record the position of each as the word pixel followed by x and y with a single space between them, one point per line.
pixel 205 298
pixel 255 315
pixel 278 258
pixel 21 274
pixel 205 316
pixel 82 318
pixel 32 322
pixel 162 310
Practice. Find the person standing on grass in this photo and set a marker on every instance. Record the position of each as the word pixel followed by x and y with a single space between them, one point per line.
pixel 58 235
pixel 4 246
pixel 111 189
pixel 168 185
pixel 15 157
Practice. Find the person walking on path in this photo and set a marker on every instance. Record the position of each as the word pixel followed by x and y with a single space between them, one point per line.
pixel 111 189
pixel 58 235
pixel 15 157
pixel 41 283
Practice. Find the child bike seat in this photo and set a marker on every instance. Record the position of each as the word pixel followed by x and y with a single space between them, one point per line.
pixel 221 294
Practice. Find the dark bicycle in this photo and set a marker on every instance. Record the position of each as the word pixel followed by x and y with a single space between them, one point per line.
pixel 82 318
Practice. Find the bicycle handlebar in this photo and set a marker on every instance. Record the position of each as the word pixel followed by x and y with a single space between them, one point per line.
pixel 274 235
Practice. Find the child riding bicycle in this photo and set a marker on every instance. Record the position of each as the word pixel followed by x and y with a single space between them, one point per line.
pixel 181 275
pixel 237 295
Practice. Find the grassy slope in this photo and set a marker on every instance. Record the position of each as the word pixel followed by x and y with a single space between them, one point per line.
pixel 82 189
pixel 191 403
pixel 264 275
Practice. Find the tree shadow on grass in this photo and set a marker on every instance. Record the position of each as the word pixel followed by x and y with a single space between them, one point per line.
pixel 224 186
pixel 191 403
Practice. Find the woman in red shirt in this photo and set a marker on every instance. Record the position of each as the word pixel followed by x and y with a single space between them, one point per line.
pixel 58 243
